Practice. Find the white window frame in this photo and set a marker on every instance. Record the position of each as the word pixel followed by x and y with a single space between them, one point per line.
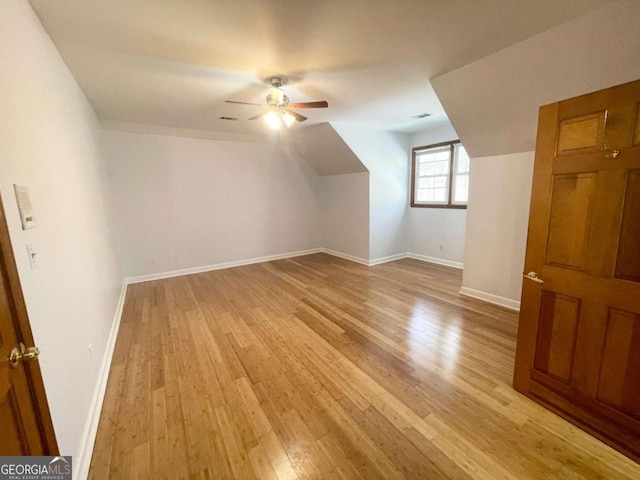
pixel 455 174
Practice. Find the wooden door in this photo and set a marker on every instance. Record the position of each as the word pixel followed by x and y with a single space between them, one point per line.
pixel 25 422
pixel 578 347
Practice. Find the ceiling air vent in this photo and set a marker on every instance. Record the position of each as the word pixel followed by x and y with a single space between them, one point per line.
pixel 231 119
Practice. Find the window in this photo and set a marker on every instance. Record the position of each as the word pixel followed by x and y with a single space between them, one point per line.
pixel 440 176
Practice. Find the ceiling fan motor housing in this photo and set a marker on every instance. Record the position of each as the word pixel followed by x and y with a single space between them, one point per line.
pixel 278 105
pixel 273 103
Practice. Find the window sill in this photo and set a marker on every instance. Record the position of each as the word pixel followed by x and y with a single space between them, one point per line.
pixel 422 205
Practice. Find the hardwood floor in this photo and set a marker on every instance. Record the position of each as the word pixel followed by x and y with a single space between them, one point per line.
pixel 316 367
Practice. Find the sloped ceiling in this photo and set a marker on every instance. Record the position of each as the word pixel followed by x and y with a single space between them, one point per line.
pixel 493 103
pixel 172 63
pixel 325 150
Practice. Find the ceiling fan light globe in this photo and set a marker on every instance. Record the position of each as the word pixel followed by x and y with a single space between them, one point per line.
pixel 273 120
pixel 288 119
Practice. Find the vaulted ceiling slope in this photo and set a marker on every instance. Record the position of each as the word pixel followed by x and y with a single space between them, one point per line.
pixel 325 150
pixel 493 103
pixel 172 63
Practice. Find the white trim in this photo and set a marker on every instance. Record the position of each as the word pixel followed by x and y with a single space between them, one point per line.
pixel 90 430
pixel 361 261
pixel 218 266
pixel 439 261
pixel 390 258
pixel 491 298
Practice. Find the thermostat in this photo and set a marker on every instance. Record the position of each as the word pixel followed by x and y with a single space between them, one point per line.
pixel 25 207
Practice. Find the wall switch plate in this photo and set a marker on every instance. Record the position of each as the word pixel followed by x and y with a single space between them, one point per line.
pixel 32 256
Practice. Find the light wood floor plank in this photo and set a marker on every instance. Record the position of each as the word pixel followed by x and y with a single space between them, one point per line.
pixel 316 367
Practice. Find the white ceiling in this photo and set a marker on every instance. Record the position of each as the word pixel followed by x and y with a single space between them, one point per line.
pixel 172 63
pixel 325 151
pixel 493 102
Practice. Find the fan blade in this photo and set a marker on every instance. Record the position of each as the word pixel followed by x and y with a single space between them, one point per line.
pixel 258 116
pixel 322 104
pixel 300 118
pixel 244 103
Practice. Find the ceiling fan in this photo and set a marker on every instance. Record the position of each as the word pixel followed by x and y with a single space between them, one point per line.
pixel 278 110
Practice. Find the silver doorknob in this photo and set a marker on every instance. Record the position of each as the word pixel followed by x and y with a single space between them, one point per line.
pixel 533 276
pixel 22 353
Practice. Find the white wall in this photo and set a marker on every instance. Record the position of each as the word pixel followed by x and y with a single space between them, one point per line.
pixel 345 214
pixel 385 156
pixel 497 218
pixel 436 233
pixel 493 102
pixel 184 202
pixel 437 134
pixel 49 142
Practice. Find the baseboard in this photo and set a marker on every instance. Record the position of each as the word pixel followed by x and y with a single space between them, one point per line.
pixel 82 464
pixel 346 256
pixel 489 297
pixel 436 260
pixel 390 258
pixel 218 266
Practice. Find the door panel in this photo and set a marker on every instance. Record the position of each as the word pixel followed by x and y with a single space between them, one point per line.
pixel 628 262
pixel 589 344
pixel 12 436
pixel 570 220
pixel 608 195
pixel 621 363
pixel 583 133
pixel 619 126
pixel 578 349
pixel 25 421
pixel 557 329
